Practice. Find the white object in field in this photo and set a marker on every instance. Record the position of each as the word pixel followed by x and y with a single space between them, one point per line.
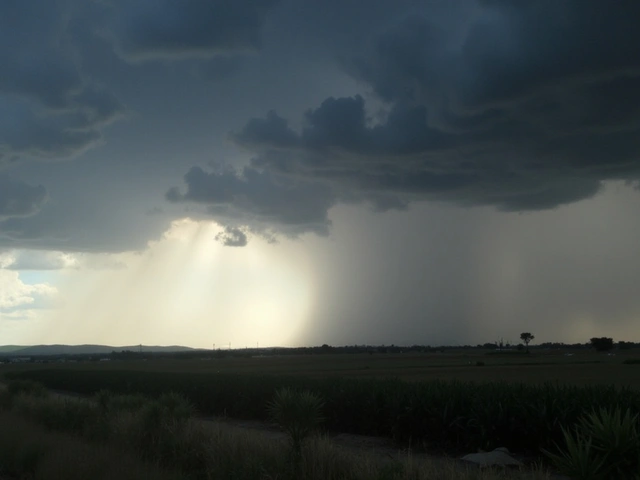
pixel 499 456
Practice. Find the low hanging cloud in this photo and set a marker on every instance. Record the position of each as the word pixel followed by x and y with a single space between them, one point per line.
pixel 167 30
pixel 511 109
pixel 258 199
pixel 232 237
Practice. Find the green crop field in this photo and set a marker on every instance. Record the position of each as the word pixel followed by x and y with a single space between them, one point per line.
pixel 446 400
pixel 581 368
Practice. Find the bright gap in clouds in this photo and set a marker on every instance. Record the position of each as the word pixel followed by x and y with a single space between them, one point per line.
pixel 185 289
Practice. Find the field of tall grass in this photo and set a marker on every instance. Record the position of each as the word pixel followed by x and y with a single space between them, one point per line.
pixel 132 436
pixel 441 415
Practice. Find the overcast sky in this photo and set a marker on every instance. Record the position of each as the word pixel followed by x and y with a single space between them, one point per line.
pixel 299 172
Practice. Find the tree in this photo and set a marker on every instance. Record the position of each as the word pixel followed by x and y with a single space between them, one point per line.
pixel 526 337
pixel 602 344
pixel 622 345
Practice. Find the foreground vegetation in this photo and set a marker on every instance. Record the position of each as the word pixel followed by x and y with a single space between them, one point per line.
pixel 35 442
pixel 164 441
pixel 451 416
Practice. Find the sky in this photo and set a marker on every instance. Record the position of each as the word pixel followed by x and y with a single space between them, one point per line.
pixel 218 173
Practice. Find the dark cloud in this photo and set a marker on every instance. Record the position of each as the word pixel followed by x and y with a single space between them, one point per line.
pixel 259 199
pixel 152 29
pixel 18 199
pixel 27 133
pixel 232 237
pixel 34 61
pixel 83 213
pixel 85 226
pixel 549 43
pixel 50 108
pixel 270 132
pixel 219 68
pixel 523 106
pixel 505 53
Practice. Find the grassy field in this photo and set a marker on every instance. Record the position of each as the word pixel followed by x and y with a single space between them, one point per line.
pixel 439 402
pixel 51 437
pixel 581 368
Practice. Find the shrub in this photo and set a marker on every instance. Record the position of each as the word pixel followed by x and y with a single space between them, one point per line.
pixel 30 387
pixel 160 431
pixel 28 451
pixel 604 444
pixel 125 403
pixel 17 388
pixel 64 415
pixel 297 413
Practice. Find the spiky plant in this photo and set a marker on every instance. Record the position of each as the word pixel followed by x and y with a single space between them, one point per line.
pixel 615 438
pixel 103 399
pixel 297 413
pixel 604 444
pixel 577 459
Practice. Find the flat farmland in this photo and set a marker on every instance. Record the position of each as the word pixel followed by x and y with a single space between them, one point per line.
pixel 510 399
pixel 579 369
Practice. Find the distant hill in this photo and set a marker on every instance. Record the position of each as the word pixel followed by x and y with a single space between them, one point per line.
pixel 11 348
pixel 85 349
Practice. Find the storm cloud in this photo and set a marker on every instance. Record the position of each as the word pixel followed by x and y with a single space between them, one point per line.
pixel 18 199
pixel 52 110
pixel 526 106
pixel 151 29
pixel 434 172
pixel 258 199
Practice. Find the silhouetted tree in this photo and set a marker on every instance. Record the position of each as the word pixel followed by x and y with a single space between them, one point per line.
pixel 526 337
pixel 622 345
pixel 326 348
pixel 602 344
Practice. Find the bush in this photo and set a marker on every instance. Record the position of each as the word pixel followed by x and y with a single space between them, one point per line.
pixel 160 431
pixel 64 415
pixel 298 414
pixel 113 403
pixel 27 451
pixel 603 445
pixel 632 361
pixel 17 388
pixel 29 387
